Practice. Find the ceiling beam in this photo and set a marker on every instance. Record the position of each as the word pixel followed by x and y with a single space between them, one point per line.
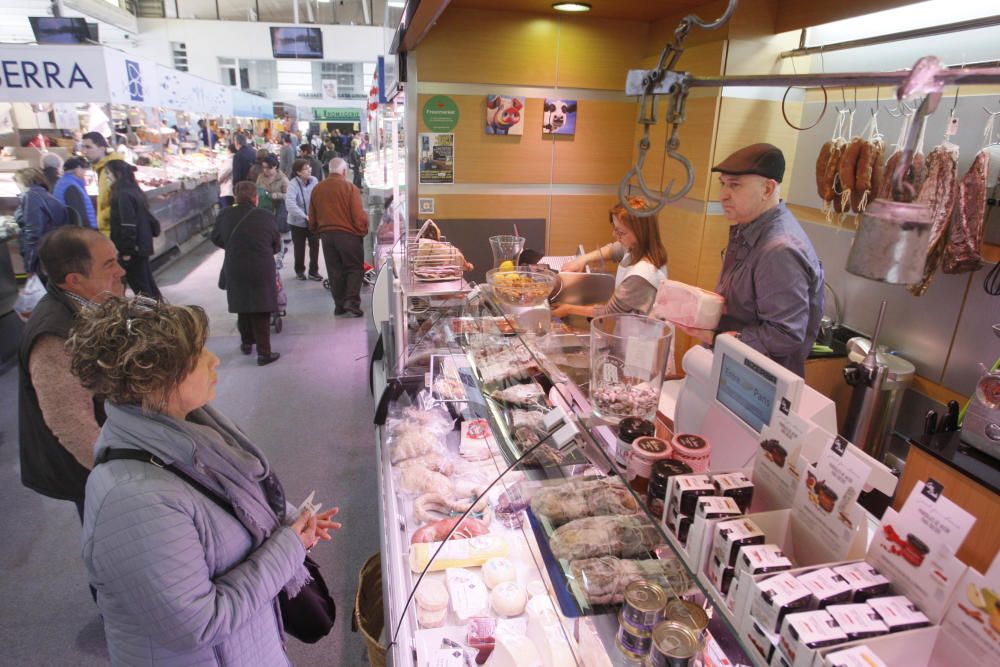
pixel 423 19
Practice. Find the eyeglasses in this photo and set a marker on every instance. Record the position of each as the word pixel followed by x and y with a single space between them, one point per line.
pixel 140 306
pixel 619 233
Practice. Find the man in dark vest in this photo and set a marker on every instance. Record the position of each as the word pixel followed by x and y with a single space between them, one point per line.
pixel 59 420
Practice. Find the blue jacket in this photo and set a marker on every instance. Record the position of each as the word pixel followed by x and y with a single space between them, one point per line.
pixel 72 191
pixel 38 213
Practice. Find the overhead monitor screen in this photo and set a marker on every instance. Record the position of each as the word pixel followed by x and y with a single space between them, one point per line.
pixel 59 30
pixel 747 390
pixel 296 42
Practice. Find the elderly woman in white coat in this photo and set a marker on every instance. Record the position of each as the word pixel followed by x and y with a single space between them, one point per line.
pixel 180 580
pixel 300 189
pixel 642 264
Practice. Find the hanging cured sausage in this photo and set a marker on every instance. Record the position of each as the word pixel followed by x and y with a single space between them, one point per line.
pixel 937 193
pixel 965 236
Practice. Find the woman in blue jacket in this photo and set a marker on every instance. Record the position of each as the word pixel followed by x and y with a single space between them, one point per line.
pixel 71 190
pixel 38 212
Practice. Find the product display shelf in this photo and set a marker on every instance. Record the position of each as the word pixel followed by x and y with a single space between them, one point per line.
pixel 484 323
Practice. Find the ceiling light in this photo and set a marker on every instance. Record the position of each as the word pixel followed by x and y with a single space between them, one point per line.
pixel 572 6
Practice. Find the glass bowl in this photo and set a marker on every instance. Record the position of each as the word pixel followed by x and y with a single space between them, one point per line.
pixel 522 286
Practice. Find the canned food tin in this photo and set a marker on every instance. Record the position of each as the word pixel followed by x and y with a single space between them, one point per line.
pixel 633 642
pixel 687 614
pixel 674 645
pixel 644 603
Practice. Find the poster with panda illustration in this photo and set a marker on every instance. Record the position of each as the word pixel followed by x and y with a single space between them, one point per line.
pixel 559 117
pixel 504 115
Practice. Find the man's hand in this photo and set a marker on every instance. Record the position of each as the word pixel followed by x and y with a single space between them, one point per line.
pixel 705 336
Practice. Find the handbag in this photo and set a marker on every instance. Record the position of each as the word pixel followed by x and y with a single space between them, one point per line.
pixel 310 615
pixel 222 271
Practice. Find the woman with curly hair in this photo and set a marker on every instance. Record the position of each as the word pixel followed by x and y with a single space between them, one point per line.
pixel 187 536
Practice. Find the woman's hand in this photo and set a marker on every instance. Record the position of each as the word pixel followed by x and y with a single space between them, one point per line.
pixel 575 265
pixel 311 528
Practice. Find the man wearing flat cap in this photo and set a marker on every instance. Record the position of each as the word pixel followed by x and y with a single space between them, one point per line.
pixel 771 278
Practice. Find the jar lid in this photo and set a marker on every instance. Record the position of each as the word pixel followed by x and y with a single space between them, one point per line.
pixel 651 447
pixel 631 428
pixel 668 468
pixel 691 444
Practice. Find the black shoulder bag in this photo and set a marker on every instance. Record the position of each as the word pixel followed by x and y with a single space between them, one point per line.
pixel 310 615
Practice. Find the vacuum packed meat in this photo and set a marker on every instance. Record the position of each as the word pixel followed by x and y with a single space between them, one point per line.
pixel 577 499
pixel 592 537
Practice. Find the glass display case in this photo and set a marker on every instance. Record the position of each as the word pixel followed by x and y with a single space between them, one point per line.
pixel 487 437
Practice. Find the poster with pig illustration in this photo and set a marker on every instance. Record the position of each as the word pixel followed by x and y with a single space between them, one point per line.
pixel 504 115
pixel 559 117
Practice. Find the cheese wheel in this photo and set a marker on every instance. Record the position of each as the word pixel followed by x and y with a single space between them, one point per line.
pixel 497 571
pixel 432 595
pixel 508 599
pixel 431 619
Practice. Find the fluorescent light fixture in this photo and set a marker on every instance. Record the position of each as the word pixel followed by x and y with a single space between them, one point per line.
pixel 911 17
pixel 572 6
pixel 398 4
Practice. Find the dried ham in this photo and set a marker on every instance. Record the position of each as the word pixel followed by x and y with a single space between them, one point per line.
pixel 592 537
pixel 965 236
pixel 603 580
pixel 938 194
pixel 576 500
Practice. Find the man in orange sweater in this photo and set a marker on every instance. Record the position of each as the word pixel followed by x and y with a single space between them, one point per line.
pixel 336 214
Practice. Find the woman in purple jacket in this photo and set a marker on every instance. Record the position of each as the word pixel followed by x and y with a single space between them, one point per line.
pixel 180 580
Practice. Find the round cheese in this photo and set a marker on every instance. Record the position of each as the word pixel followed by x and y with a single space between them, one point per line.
pixel 498 570
pixel 508 599
pixel 432 595
pixel 431 619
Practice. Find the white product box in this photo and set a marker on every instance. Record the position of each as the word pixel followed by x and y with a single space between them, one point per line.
pixel 858 656
pixel 858 621
pixel 865 581
pixel 803 633
pixel 765 642
pixel 899 613
pixel 683 491
pixel 827 587
pixel 719 575
pixel 733 534
pixel 756 559
pixel 735 485
pixel 776 597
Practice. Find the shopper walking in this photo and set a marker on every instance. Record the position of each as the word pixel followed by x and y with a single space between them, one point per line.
pixel 306 153
pixel 95 149
pixel 58 419
pixel 183 577
pixel 71 190
pixel 243 159
pixel 250 238
pixel 287 155
pixel 272 188
pixel 255 171
pixel 356 161
pixel 37 213
pixel 52 167
pixel 133 228
pixel 337 216
pixel 299 192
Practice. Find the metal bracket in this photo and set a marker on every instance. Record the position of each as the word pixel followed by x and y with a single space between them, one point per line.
pixel 639 79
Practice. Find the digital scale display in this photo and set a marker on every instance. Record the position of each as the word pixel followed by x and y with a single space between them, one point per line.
pixel 747 391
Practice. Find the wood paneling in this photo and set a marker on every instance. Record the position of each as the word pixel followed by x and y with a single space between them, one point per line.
pixel 579 219
pixel 714 241
pixel 477 46
pixel 637 10
pixel 681 231
pixel 827 377
pixel 600 152
pixel 662 32
pixel 743 122
pixel 983 542
pixel 489 206
pixel 598 54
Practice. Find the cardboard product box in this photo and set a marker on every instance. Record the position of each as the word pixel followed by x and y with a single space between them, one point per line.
pixel 756 559
pixel 686 489
pixel 856 656
pixel 805 632
pixel 827 587
pixel 858 621
pixel 716 507
pixel 720 575
pixel 866 582
pixel 775 598
pixel 678 525
pixel 735 485
pixel 731 535
pixel 765 642
pixel 898 613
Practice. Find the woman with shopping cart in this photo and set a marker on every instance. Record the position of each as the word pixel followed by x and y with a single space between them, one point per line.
pixel 250 238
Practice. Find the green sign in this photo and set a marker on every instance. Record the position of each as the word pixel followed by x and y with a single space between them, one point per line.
pixel 440 114
pixel 337 115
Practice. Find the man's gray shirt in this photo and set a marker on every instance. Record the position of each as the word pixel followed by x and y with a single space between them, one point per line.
pixel 773 284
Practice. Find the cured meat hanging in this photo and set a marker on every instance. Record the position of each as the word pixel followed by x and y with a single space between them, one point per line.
pixel 962 250
pixel 937 193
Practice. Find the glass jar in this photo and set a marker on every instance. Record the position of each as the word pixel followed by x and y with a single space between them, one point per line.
pixel 628 357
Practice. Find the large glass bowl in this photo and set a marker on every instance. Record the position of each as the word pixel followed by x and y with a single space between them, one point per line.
pixel 522 286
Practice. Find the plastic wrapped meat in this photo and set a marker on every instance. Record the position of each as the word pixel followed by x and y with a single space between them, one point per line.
pixel 521 396
pixel 436 462
pixel 688 305
pixel 576 500
pixel 603 580
pixel 412 442
pixel 417 479
pixel 592 537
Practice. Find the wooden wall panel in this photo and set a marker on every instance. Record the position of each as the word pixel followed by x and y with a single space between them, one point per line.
pixel 598 54
pixel 681 231
pixel 579 219
pixel 601 150
pixel 696 136
pixel 743 122
pixel 485 158
pixel 714 241
pixel 477 46
pixel 489 206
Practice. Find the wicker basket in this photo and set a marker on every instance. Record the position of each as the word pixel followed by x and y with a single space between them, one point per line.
pixel 368 613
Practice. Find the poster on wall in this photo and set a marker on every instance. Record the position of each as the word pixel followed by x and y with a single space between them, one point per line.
pixel 329 89
pixel 504 115
pixel 559 117
pixel 437 158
